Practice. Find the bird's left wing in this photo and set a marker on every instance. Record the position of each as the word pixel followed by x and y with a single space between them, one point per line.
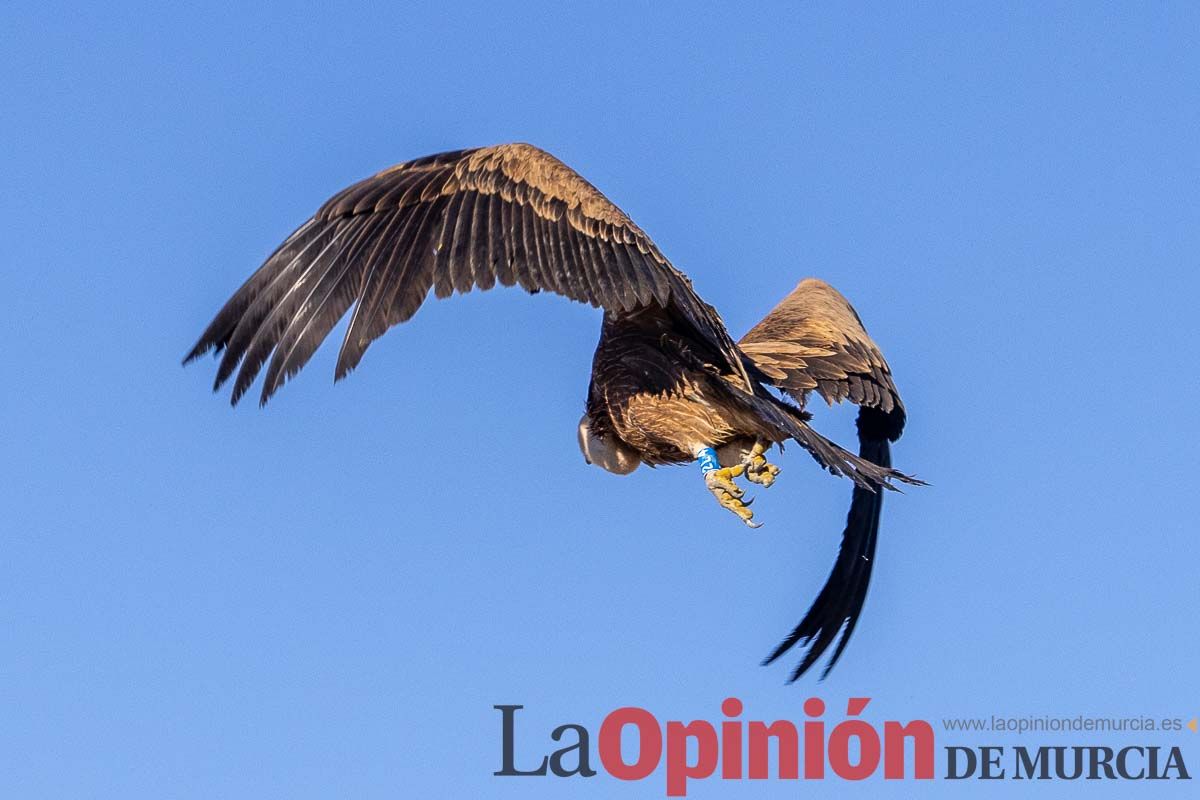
pixel 451 222
pixel 814 341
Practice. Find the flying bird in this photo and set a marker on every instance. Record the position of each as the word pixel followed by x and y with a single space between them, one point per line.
pixel 669 385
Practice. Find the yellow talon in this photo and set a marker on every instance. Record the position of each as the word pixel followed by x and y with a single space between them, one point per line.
pixel 738 507
pixel 728 494
pixel 758 469
pixel 722 480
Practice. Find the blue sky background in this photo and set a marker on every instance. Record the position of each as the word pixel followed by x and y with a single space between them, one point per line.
pixel 325 598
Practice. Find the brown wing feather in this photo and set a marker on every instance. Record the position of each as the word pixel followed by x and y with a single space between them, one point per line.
pixel 450 222
pixel 814 340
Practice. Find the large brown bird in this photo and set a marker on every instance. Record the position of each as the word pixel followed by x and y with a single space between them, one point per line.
pixel 669 385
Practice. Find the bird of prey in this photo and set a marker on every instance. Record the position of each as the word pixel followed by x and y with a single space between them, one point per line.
pixel 669 385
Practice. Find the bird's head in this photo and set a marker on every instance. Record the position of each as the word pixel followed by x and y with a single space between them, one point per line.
pixel 605 451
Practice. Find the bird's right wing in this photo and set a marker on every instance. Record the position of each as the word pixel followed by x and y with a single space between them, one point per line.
pixel 451 222
pixel 814 341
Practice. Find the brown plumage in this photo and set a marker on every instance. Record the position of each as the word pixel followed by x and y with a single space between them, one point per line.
pixel 668 382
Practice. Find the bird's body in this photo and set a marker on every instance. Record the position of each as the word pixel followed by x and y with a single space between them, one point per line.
pixel 660 394
pixel 669 385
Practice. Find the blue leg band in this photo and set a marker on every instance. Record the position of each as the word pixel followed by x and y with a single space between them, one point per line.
pixel 708 460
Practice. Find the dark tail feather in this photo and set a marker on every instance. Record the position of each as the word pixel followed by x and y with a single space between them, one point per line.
pixel 841 600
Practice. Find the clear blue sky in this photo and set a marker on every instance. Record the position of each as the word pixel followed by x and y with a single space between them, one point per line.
pixel 325 598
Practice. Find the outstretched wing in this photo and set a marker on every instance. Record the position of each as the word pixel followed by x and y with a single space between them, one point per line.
pixel 815 341
pixel 509 214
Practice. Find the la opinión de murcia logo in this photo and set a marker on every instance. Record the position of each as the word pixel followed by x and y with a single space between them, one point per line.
pixel 737 749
